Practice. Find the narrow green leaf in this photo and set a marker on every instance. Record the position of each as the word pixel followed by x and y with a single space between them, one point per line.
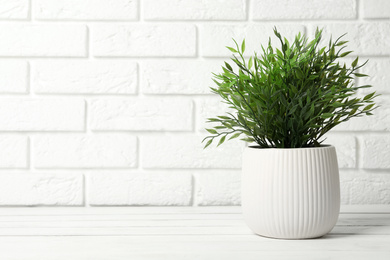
pixel 231 49
pixel 337 104
pixel 354 63
pixel 235 136
pixel 221 140
pixel 368 107
pixel 345 53
pixel 369 96
pixel 243 46
pixel 208 143
pixel 250 63
pixel 248 139
pixel 327 115
pixel 360 75
pixel 341 43
pixel 212 131
pixel 299 73
pixel 228 66
pixel 224 117
pixel 353 111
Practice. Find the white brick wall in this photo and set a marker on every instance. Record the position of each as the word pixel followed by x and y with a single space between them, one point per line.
pixel 104 102
pixel 143 114
pixel 194 10
pixel 143 40
pixel 302 9
pixel 14 9
pixel 84 77
pixel 38 114
pixel 163 188
pixel 84 151
pixel 86 10
pixel 177 76
pixel 43 40
pixel 13 151
pixel 13 76
pixel 217 188
pixel 18 189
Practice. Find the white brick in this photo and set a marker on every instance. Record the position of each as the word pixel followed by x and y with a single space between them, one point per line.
pixel 13 151
pixel 178 77
pixel 376 9
pixel 84 151
pixel 210 107
pixel 14 9
pixel 302 9
pixel 86 9
pixel 367 188
pixel 33 114
pixel 13 76
pixel 194 10
pixel 380 121
pixel 219 188
pixel 345 147
pixel 364 38
pixel 84 77
pixel 345 188
pixel 42 40
pixel 140 188
pixel 186 151
pixel 379 71
pixel 141 114
pixel 214 37
pixel 376 152
pixel 142 40
pixel 41 189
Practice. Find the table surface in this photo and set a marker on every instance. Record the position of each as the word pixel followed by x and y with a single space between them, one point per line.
pixel 112 233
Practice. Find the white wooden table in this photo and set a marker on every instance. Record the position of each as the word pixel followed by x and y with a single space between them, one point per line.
pixel 179 233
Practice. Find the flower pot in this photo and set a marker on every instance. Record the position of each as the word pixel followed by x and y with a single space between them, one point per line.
pixel 290 193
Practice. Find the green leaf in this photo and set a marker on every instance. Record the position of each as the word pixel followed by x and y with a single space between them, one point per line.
pixel 232 49
pixel 352 112
pixel 367 97
pixel 224 117
pixel 235 136
pixel 243 46
pixel 250 63
pixel 248 139
pixel 337 104
pixel 208 143
pixel 327 115
pixel 368 107
pixel 299 73
pixel 221 140
pixel 360 75
pixel 341 43
pixel 212 131
pixel 345 53
pixel 354 63
pixel 228 66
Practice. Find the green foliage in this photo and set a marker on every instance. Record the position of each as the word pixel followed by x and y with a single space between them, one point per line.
pixel 288 97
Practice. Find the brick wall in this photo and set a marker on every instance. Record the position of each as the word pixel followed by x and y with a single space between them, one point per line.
pixel 103 102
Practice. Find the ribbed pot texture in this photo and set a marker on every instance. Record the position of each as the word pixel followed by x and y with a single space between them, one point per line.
pixel 290 193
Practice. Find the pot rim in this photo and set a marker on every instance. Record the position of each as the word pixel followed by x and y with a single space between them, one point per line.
pixel 323 146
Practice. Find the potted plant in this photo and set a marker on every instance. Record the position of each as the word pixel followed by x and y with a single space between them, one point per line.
pixel 283 102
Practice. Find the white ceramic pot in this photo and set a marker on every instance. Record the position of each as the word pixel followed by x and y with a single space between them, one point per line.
pixel 290 193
